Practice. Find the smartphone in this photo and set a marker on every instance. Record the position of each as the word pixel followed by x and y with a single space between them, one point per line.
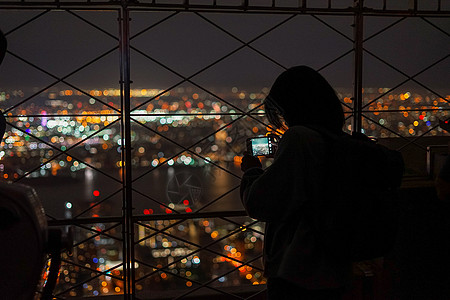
pixel 262 146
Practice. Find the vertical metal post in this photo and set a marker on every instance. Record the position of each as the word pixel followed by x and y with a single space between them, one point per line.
pixel 128 223
pixel 358 65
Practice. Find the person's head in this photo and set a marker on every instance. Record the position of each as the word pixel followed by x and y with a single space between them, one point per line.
pixel 301 96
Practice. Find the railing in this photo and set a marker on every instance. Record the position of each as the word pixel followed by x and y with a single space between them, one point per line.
pixel 145 156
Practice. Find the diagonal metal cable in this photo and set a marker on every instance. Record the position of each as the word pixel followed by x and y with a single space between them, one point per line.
pixel 62 79
pixel 90 279
pixel 420 136
pixel 214 63
pixel 256 294
pixel 384 29
pixel 95 235
pixel 156 201
pixel 409 78
pixel 188 79
pixel 190 243
pixel 277 63
pixel 98 203
pixel 214 279
pixel 54 297
pixel 351 50
pixel 185 149
pixel 163 230
pixel 27 22
pixel 332 28
pixel 394 132
pixel 241 41
pixel 42 70
pixel 92 24
pixel 69 262
pixel 222 218
pixel 217 199
pixel 193 83
pixel 390 26
pixel 196 143
pixel 64 151
pixel 185 279
pixel 100 232
pixel 154 25
pixel 200 249
pixel 435 26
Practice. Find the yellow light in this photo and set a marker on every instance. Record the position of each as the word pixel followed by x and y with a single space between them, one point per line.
pixel 416 123
pixel 117 289
pixel 249 276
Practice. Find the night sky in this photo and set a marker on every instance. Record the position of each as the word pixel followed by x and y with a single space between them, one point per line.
pixel 60 42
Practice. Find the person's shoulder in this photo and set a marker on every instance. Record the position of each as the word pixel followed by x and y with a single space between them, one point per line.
pixel 302 136
pixel 302 132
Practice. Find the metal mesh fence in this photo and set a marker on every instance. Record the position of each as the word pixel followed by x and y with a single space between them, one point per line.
pixel 129 118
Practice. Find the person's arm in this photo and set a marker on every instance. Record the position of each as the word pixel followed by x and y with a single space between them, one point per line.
pixel 279 192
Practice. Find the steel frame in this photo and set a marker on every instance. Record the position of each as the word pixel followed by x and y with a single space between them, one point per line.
pixel 125 115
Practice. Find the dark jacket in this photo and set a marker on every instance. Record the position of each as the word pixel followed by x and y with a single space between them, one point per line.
pixel 281 196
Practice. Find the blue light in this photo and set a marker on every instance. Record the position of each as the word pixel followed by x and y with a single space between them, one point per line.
pixel 85 285
pixel 428 123
pixel 95 260
pixel 95 293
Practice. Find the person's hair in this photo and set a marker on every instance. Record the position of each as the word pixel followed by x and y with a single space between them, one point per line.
pixel 301 96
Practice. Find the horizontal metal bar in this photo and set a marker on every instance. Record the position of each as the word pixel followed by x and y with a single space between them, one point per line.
pixel 84 221
pixel 216 214
pixel 187 216
pixel 137 6
pixel 404 110
pixel 63 116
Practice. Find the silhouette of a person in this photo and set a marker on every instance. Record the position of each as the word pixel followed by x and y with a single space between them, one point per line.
pixel 443 182
pixel 296 268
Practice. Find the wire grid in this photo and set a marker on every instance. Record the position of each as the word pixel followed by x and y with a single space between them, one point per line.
pixel 241 114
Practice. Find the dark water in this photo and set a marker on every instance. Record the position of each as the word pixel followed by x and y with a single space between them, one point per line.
pixel 202 187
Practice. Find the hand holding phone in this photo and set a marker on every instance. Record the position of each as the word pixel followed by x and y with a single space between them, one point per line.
pixel 262 146
pixel 249 161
